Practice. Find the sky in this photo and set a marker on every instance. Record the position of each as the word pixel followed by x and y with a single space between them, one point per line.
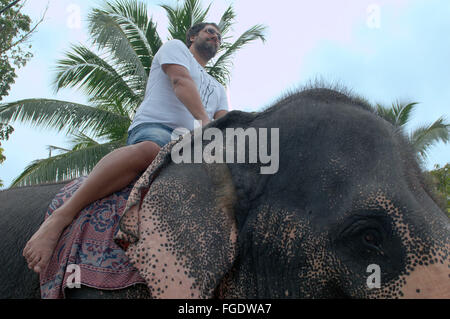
pixel 385 51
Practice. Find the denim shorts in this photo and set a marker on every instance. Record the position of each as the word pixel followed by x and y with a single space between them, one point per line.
pixel 159 133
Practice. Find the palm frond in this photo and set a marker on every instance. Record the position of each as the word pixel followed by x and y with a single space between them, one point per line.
pixel 226 21
pixel 398 114
pixel 403 112
pixel 51 148
pixel 154 42
pixel 113 130
pixel 121 28
pixel 426 136
pixel 221 67
pixel 385 113
pixel 80 140
pixel 59 115
pixel 5 131
pixel 116 132
pixel 83 68
pixel 2 157
pixel 114 106
pixel 181 18
pixel 65 166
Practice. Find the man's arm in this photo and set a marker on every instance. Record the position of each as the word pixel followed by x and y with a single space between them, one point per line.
pixel 186 91
pixel 220 114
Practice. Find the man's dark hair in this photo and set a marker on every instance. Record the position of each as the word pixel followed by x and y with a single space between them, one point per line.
pixel 195 29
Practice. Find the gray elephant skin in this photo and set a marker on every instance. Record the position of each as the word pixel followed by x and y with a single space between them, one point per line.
pixel 348 194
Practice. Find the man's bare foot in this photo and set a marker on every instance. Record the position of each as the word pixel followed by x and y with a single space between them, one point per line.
pixel 39 249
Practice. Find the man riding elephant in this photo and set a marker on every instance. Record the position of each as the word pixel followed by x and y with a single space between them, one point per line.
pixel 179 91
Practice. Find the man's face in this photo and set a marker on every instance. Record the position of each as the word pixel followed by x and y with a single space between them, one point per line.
pixel 207 41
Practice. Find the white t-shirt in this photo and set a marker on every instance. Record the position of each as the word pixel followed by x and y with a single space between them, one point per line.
pixel 161 105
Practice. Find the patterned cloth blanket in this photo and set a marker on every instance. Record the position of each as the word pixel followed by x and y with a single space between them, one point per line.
pixel 88 242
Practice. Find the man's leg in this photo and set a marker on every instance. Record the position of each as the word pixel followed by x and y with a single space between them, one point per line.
pixel 112 173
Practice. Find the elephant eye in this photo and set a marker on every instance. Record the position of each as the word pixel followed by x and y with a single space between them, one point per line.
pixel 367 233
pixel 371 238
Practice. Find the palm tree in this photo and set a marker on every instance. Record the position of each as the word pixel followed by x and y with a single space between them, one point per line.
pixel 5 131
pixel 2 159
pixel 421 138
pixel 114 78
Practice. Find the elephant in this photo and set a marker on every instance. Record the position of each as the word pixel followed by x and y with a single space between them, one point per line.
pixel 347 213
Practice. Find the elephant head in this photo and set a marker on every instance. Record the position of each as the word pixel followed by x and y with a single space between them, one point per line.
pixel 346 213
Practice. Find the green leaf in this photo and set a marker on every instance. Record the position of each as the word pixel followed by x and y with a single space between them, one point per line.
pixel 121 28
pixel 403 113
pixel 5 131
pixel 59 115
pixel 220 69
pixel 154 42
pixel 399 114
pixel 181 18
pixel 80 140
pixel 66 166
pixel 82 68
pixel 424 137
pixel 226 21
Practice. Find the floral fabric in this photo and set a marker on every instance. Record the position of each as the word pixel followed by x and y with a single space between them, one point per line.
pixel 88 243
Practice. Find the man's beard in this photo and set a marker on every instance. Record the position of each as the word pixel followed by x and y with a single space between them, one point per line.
pixel 207 49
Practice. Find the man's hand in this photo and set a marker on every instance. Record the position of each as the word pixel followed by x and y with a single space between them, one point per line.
pixel 186 91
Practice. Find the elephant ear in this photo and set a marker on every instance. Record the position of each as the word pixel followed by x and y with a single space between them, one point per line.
pixel 179 227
